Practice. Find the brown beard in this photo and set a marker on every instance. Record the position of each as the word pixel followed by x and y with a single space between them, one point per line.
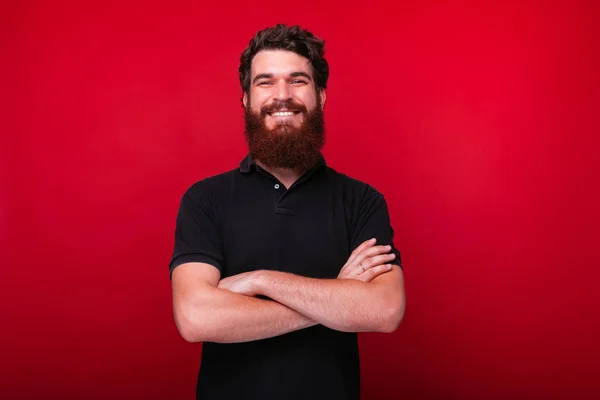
pixel 286 146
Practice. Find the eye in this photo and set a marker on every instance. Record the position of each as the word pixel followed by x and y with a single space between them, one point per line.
pixel 298 81
pixel 264 83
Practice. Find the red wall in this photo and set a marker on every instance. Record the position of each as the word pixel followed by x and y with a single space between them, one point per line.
pixel 478 122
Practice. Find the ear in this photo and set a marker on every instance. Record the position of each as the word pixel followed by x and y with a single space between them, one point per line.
pixel 245 100
pixel 323 96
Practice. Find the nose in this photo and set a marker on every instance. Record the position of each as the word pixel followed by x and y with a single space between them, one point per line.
pixel 282 91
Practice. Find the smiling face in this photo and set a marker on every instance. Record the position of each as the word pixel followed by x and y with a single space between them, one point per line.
pixel 283 112
pixel 282 88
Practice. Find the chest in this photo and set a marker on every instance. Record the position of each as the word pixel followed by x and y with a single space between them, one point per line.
pixel 305 233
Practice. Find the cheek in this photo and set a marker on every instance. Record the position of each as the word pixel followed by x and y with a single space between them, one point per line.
pixel 257 100
pixel 308 98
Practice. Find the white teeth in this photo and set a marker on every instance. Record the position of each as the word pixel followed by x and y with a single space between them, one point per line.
pixel 283 114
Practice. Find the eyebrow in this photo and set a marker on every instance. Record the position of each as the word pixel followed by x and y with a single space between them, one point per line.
pixel 293 75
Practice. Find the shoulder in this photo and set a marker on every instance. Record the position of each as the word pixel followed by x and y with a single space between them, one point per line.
pixel 351 187
pixel 207 194
pixel 210 186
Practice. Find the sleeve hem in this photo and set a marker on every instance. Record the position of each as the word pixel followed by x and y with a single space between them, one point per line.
pixel 186 258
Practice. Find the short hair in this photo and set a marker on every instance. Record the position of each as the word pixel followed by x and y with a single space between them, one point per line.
pixel 291 38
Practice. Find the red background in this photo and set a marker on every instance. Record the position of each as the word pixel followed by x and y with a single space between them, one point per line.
pixel 478 122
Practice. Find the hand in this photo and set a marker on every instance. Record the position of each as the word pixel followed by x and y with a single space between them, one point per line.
pixel 367 261
pixel 243 283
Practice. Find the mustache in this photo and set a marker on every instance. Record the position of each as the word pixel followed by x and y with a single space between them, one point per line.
pixel 278 105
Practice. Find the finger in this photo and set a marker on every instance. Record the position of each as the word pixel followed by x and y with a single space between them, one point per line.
pixel 376 261
pixel 376 250
pixel 363 246
pixel 225 283
pixel 370 253
pixel 374 272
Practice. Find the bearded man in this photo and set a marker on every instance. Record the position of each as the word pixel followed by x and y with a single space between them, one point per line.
pixel 279 263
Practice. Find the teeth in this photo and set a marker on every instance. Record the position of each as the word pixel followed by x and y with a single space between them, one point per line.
pixel 283 114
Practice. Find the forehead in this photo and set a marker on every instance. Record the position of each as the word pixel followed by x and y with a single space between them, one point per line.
pixel 279 62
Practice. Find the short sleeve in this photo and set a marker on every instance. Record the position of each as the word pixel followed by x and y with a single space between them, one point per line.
pixel 372 220
pixel 197 231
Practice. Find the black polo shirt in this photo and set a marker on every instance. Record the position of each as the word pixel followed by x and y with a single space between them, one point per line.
pixel 244 220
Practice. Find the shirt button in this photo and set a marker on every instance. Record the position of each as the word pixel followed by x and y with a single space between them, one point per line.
pixel 277 186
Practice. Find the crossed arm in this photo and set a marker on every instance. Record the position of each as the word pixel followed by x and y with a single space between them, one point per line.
pixel 368 295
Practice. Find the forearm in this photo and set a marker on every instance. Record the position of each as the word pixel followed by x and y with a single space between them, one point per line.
pixel 221 316
pixel 341 304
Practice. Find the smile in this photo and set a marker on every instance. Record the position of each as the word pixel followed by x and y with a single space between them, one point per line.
pixel 283 113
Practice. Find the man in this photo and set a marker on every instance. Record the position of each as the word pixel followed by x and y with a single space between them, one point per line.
pixel 273 268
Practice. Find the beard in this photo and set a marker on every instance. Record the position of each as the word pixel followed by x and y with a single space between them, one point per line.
pixel 285 145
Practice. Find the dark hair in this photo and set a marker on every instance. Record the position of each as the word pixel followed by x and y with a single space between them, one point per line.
pixel 291 38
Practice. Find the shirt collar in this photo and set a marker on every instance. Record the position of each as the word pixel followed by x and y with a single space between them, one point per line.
pixel 248 162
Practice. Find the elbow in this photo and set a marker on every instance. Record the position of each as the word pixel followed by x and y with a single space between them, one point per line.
pixel 393 317
pixel 190 329
pixel 189 334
